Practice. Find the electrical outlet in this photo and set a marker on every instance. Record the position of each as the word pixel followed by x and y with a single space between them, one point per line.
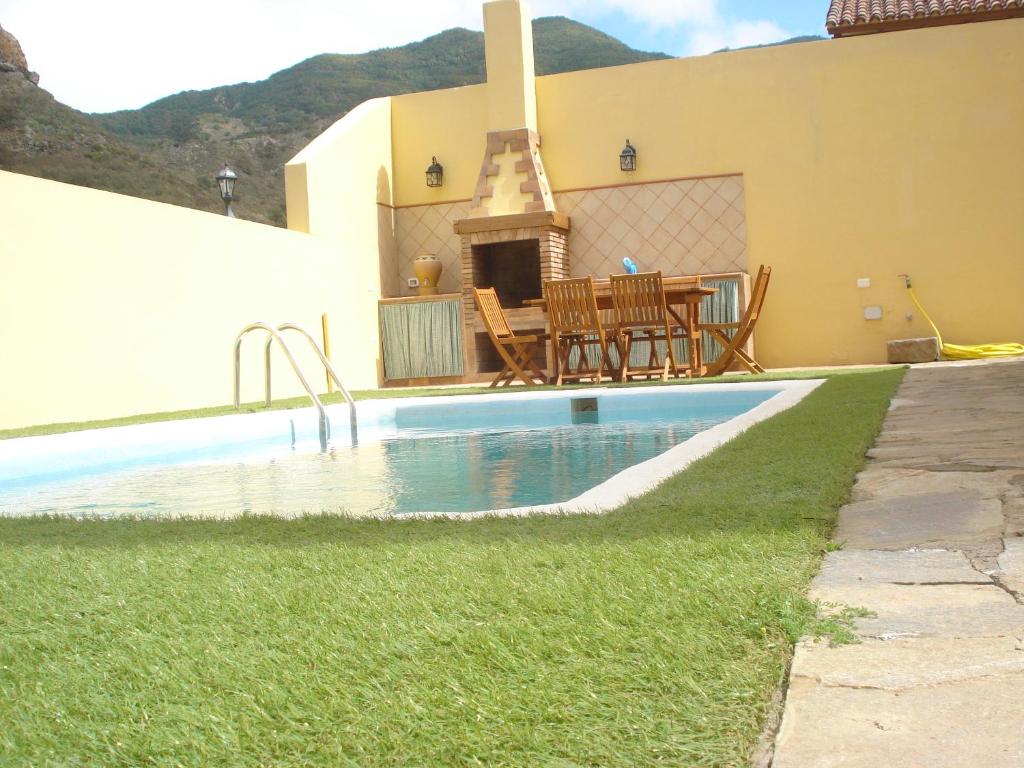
pixel 413 282
pixel 863 282
pixel 872 313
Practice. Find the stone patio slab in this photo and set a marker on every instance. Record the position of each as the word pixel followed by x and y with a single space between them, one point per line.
pixel 877 482
pixel 896 665
pixel 969 610
pixel 923 520
pixel 858 568
pixel 1011 566
pixel 960 724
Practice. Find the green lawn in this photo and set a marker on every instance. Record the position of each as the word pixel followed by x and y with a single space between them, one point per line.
pixel 654 635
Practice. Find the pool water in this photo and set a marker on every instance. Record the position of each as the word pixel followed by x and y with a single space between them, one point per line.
pixel 450 455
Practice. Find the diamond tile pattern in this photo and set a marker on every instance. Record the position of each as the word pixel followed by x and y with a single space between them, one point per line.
pixel 849 13
pixel 430 229
pixel 691 227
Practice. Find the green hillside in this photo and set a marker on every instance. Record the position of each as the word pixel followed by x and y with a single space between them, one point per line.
pixel 329 85
pixel 39 136
pixel 169 150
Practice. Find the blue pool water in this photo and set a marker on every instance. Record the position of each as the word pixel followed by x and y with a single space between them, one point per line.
pixel 438 455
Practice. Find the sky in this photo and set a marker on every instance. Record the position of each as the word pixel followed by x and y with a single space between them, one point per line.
pixel 107 55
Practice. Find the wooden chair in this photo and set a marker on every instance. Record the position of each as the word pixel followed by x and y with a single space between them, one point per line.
pixel 733 346
pixel 576 324
pixel 516 351
pixel 641 313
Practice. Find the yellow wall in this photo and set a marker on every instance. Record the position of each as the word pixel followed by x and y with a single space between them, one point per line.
pixel 451 124
pixel 339 189
pixel 111 305
pixel 862 157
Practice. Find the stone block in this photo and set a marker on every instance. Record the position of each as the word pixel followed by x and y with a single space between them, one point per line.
pixel 925 350
pixel 925 520
pixel 961 723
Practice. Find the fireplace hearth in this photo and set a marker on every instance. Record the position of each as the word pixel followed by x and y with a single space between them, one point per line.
pixel 511 268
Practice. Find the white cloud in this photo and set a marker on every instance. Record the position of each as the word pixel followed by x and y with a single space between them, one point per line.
pixel 659 12
pixel 118 54
pixel 719 35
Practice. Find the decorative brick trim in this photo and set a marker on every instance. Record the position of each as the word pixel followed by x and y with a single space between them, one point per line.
pixel 527 143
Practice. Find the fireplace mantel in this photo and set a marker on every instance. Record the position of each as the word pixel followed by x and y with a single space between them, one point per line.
pixel 512 221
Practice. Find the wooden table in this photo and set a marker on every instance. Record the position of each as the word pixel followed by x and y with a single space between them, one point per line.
pixel 684 293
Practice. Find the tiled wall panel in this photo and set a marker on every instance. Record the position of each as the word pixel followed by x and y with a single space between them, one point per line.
pixel 430 229
pixel 687 227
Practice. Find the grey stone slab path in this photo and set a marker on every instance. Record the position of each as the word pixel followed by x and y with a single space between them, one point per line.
pixel 933 546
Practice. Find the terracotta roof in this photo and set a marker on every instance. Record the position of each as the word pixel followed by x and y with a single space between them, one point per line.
pixel 854 17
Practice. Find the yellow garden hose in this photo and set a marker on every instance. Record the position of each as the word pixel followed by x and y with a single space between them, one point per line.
pixel 966 351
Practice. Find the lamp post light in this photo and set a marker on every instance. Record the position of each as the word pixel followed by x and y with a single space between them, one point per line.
pixel 226 181
pixel 627 159
pixel 435 173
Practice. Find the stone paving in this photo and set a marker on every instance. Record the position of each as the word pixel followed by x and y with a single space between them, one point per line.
pixel 933 546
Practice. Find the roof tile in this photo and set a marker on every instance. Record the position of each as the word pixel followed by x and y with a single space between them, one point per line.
pixel 845 14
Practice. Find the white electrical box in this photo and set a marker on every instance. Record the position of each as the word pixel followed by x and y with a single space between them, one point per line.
pixel 872 313
pixel 863 282
pixel 413 282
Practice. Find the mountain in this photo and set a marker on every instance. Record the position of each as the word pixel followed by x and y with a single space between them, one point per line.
pixel 169 150
pixel 788 41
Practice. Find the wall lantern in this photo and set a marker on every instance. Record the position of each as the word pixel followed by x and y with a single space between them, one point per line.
pixel 435 174
pixel 627 160
pixel 226 181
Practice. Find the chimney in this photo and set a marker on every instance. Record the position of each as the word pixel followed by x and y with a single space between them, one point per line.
pixel 512 179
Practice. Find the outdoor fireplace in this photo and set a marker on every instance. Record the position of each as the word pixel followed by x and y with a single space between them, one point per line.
pixel 510 268
pixel 514 254
pixel 513 240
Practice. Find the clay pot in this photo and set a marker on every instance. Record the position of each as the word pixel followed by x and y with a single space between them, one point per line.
pixel 428 271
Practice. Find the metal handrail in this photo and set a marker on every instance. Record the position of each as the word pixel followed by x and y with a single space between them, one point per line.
pixel 325 424
pixel 323 359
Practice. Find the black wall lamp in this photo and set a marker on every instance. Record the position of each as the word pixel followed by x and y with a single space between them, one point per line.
pixel 435 174
pixel 627 159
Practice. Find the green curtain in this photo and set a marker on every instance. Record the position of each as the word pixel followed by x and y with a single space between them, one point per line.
pixel 421 339
pixel 722 307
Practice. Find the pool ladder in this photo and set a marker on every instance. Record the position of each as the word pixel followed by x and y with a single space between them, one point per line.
pixel 274 334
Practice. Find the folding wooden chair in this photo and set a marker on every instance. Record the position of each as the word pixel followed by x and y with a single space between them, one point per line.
pixel 576 325
pixel 733 346
pixel 516 351
pixel 641 313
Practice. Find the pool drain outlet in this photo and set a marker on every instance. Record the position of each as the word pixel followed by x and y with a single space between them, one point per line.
pixel 584 410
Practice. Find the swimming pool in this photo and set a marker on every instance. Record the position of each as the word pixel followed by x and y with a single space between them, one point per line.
pixel 579 450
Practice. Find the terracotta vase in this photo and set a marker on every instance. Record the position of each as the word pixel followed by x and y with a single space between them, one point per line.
pixel 428 271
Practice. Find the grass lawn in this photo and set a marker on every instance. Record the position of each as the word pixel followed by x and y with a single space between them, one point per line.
pixel 654 635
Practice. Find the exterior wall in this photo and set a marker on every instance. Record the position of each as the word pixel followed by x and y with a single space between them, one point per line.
pixel 862 157
pixel 339 189
pixel 449 124
pixel 112 306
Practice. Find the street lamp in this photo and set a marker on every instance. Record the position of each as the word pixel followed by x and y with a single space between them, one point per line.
pixel 226 181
